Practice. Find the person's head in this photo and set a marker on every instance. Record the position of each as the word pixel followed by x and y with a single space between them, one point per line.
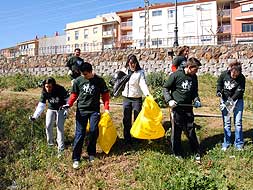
pixel 183 51
pixel 132 63
pixel 192 65
pixel 77 52
pixel 49 84
pixel 235 69
pixel 86 70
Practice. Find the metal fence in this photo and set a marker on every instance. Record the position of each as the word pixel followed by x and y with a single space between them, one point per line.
pixel 126 43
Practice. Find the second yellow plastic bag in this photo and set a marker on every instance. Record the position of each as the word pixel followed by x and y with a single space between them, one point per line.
pixel 107 133
pixel 148 124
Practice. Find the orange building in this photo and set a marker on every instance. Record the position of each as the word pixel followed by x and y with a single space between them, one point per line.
pixel 242 21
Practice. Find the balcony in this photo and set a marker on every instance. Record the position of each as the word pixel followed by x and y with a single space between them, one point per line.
pixel 224 29
pixel 126 38
pixel 107 34
pixel 126 25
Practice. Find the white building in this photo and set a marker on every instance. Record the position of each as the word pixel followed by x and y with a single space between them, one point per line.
pixel 196 21
pixel 52 45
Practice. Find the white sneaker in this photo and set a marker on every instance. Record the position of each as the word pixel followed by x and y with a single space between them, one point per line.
pixel 198 159
pixel 91 158
pixel 224 149
pixel 76 164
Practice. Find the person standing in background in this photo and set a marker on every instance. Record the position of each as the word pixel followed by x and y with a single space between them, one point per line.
pixel 180 59
pixel 73 64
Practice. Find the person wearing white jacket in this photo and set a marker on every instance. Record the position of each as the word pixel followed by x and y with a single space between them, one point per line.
pixel 132 94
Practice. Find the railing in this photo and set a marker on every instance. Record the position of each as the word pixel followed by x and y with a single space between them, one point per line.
pixel 222 38
pixel 126 24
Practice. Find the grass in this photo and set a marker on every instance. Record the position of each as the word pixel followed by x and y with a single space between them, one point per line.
pixel 146 165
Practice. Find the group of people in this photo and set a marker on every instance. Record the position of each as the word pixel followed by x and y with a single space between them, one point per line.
pixel 180 93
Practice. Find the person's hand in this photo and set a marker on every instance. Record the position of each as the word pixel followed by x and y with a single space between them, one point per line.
pixel 70 72
pixel 229 102
pixel 65 107
pixel 31 118
pixel 172 103
pixel 107 111
pixel 197 104
pixel 65 113
pixel 219 94
pixel 222 106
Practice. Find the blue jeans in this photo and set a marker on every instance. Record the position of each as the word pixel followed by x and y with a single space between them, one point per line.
pixel 81 123
pixel 237 119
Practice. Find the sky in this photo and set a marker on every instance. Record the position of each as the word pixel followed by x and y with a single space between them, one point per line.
pixel 22 20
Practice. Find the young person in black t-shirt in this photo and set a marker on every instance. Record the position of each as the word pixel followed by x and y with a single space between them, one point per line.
pixel 56 96
pixel 180 92
pixel 87 89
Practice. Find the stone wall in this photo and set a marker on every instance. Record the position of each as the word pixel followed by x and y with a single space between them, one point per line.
pixel 214 59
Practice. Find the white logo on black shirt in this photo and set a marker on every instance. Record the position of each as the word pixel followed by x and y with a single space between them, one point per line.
pixel 229 85
pixel 88 89
pixel 187 85
pixel 54 100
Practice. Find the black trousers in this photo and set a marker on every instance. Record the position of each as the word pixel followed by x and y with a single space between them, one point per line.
pixel 130 105
pixel 182 120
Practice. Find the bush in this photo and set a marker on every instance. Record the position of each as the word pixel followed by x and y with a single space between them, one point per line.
pixel 155 81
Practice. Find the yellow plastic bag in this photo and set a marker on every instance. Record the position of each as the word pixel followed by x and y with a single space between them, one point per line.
pixel 148 124
pixel 107 133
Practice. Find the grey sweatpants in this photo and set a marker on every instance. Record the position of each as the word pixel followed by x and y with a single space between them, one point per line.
pixel 57 117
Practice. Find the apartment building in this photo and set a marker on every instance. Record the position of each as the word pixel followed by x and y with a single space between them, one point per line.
pixel 93 34
pixel 9 52
pixel 242 17
pixel 29 47
pixel 196 22
pixel 52 44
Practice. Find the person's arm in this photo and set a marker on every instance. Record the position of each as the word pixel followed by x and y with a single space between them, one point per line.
pixel 220 84
pixel 39 109
pixel 167 88
pixel 173 68
pixel 240 89
pixel 73 97
pixel 106 100
pixel 143 85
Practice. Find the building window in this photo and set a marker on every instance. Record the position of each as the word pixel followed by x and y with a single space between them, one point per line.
pixel 141 43
pixel 206 7
pixel 188 11
pixel 142 29
pixel 95 30
pixel 247 27
pixel 157 13
pixel 171 27
pixel 189 27
pixel 171 13
pixel 85 32
pixel 247 7
pixel 142 14
pixel 76 45
pixel 157 27
pixel 76 35
pixel 68 38
pixel 156 42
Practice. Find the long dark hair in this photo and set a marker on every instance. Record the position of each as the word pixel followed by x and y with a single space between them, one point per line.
pixel 49 80
pixel 134 59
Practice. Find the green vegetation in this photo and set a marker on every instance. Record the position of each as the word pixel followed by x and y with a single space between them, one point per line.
pixel 26 159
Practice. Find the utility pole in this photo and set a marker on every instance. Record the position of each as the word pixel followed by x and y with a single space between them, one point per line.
pixel 176 28
pixel 146 27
